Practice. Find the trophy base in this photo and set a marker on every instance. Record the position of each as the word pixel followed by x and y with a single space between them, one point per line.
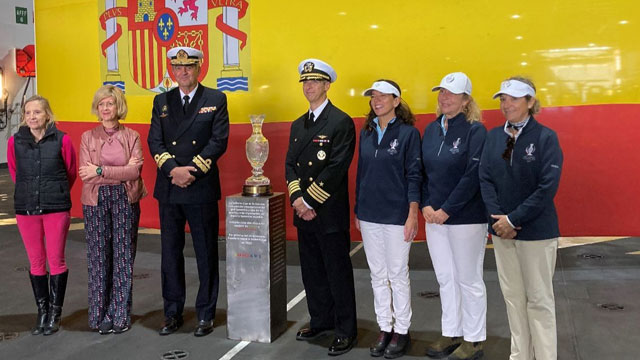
pixel 256 190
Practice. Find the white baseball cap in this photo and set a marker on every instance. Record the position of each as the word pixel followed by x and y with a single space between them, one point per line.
pixel 515 88
pixel 383 87
pixel 314 69
pixel 456 82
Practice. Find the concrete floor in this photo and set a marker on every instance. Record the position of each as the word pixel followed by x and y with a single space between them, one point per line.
pixel 582 282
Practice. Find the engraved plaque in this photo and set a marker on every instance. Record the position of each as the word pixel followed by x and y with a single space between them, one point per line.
pixel 256 267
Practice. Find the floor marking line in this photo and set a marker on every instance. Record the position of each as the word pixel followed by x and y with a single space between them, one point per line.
pixel 241 345
pixel 76 226
pixel 11 221
pixel 296 300
pixel 236 349
pixel 356 249
pixel 565 242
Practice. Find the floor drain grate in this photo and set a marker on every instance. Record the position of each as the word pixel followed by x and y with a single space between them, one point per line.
pixel 429 294
pixel 21 269
pixel 611 307
pixel 8 336
pixel 174 355
pixel 141 276
pixel 591 256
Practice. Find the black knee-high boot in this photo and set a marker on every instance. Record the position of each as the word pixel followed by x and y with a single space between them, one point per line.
pixel 40 286
pixel 57 287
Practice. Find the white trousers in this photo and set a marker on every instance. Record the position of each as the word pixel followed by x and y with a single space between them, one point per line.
pixel 457 254
pixel 525 271
pixel 388 258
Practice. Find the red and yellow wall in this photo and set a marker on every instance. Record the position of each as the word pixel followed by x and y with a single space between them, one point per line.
pixel 583 58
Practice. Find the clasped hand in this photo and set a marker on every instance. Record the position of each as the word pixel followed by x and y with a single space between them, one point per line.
pixel 434 216
pixel 502 227
pixel 302 210
pixel 181 176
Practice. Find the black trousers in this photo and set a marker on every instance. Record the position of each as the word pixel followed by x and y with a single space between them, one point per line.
pixel 203 222
pixel 327 276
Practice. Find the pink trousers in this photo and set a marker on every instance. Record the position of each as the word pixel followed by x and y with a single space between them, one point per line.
pixel 34 230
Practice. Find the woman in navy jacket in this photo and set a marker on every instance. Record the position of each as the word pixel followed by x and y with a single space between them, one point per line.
pixel 519 176
pixel 456 224
pixel 387 196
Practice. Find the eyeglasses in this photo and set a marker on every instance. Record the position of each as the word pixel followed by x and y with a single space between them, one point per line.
pixel 511 141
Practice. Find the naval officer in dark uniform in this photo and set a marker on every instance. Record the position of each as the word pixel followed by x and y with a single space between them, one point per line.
pixel 188 134
pixel 321 147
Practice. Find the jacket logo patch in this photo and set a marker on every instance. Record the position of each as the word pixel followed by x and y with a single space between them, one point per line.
pixel 454 149
pixel 206 110
pixel 322 155
pixel 529 157
pixel 164 111
pixel 392 147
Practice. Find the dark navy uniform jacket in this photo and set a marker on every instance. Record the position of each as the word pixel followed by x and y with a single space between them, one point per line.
pixel 198 139
pixel 317 168
pixel 524 186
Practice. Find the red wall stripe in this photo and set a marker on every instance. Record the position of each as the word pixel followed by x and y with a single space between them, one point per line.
pixel 134 52
pixel 143 60
pixel 598 193
pixel 152 45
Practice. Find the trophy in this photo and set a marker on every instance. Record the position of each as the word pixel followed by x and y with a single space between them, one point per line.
pixel 257 149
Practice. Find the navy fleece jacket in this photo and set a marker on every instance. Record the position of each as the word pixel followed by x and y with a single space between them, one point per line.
pixel 451 170
pixel 389 174
pixel 524 186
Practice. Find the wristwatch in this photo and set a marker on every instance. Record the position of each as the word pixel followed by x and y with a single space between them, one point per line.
pixel 99 170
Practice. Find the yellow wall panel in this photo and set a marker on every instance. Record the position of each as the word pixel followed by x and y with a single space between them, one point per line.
pixel 577 52
pixel 67 68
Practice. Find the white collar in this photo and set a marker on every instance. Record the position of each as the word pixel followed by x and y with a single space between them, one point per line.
pixel 521 125
pixel 318 110
pixel 191 94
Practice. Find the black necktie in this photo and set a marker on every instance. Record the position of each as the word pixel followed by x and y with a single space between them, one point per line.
pixel 186 104
pixel 309 122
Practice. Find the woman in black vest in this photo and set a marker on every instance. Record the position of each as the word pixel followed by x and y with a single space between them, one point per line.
pixel 42 164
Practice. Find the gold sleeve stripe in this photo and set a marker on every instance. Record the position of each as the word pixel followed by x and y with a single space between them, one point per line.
pixel 320 190
pixel 318 194
pixel 203 165
pixel 206 163
pixel 315 196
pixel 294 186
pixel 294 183
pixel 161 158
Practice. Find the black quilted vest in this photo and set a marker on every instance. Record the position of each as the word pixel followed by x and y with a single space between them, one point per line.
pixel 41 178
